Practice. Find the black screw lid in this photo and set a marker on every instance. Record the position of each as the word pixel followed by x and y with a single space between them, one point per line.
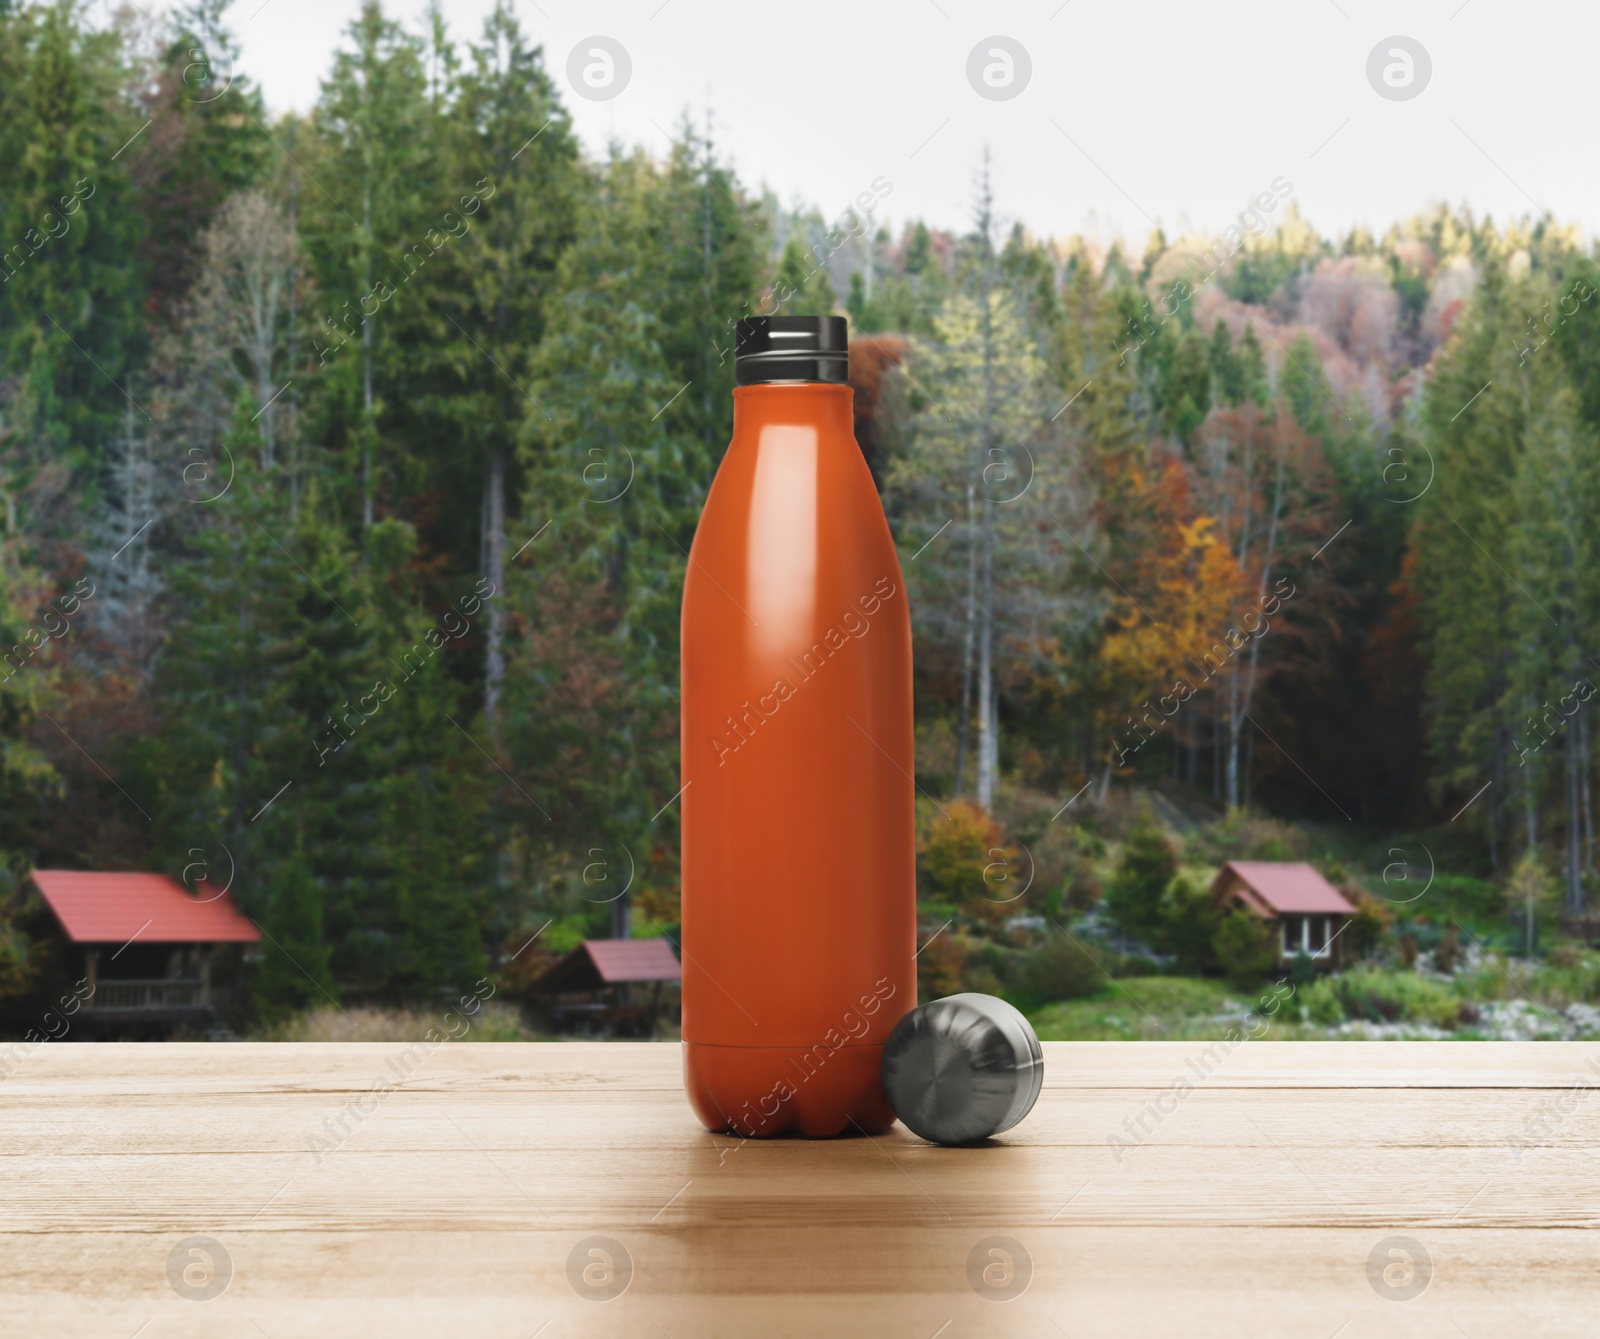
pixel 791 348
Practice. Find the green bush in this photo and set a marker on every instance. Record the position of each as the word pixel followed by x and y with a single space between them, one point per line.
pixel 1367 927
pixel 1377 995
pixel 1322 1004
pixel 1457 897
pixel 989 965
pixel 1061 969
pixel 1144 869
pixel 1302 970
pixel 1189 926
pixel 1239 837
pixel 966 861
pixel 1569 975
pixel 1246 947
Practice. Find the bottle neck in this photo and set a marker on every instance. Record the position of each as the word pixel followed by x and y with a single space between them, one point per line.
pixel 828 408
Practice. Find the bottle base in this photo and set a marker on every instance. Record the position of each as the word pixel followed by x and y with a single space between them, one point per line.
pixel 759 1091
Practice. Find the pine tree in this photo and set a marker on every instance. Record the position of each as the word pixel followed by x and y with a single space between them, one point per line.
pixel 711 240
pixel 974 461
pixel 203 145
pixel 1144 872
pixel 613 472
pixel 802 286
pixel 1473 432
pixel 294 972
pixel 373 215
pixel 69 331
pixel 484 302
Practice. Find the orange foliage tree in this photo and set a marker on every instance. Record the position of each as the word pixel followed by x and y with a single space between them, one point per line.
pixel 1190 589
pixel 969 864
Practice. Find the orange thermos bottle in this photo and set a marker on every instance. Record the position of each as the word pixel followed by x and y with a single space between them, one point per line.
pixel 799 859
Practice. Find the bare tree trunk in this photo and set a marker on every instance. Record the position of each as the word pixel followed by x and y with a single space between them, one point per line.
pixel 1496 773
pixel 1216 754
pixel 495 561
pixel 1235 720
pixel 988 710
pixel 966 645
pixel 1574 846
pixel 262 281
pixel 128 583
pixel 1530 814
pixel 367 428
pixel 1239 700
pixel 1586 800
pixel 994 733
pixel 988 715
pixel 268 413
pixel 294 344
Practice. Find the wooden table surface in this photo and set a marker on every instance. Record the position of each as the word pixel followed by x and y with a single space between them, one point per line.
pixel 335 1194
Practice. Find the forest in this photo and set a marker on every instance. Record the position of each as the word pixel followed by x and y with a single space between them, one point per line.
pixel 401 413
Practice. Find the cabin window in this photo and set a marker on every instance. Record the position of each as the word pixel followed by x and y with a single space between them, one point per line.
pixel 1291 935
pixel 1319 933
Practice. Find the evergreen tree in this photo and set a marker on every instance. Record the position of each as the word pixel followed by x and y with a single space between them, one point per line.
pixel 491 297
pixel 206 145
pixel 711 240
pixel 374 215
pixel 803 286
pixel 294 972
pixel 1475 434
pixel 1186 396
pixel 1144 871
pixel 976 459
pixel 69 281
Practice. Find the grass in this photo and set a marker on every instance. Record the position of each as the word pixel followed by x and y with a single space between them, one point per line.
pixel 493 1022
pixel 1495 1002
pixel 1145 1008
pixel 498 1020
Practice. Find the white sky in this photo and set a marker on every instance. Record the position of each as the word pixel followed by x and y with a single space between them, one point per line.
pixel 1186 108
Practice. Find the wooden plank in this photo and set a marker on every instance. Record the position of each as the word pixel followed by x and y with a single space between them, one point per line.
pixel 450 1200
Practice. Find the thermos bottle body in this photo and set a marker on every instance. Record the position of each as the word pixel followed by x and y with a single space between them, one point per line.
pixel 799 862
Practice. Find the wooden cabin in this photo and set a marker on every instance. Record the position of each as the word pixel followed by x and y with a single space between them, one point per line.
pixel 152 954
pixel 1305 910
pixel 589 988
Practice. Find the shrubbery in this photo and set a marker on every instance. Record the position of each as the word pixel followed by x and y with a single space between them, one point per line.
pixel 1139 885
pixel 1377 995
pixel 1061 968
pixel 1367 927
pixel 968 865
pixel 1189 926
pixel 1247 947
pixel 1160 900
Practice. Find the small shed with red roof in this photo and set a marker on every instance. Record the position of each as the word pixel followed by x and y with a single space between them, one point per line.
pixel 590 985
pixel 147 949
pixel 1306 910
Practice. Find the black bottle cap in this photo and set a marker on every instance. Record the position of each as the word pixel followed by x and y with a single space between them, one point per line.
pixel 791 348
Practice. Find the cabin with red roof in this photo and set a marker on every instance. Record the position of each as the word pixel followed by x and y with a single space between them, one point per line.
pixel 589 988
pixel 151 953
pixel 1307 912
